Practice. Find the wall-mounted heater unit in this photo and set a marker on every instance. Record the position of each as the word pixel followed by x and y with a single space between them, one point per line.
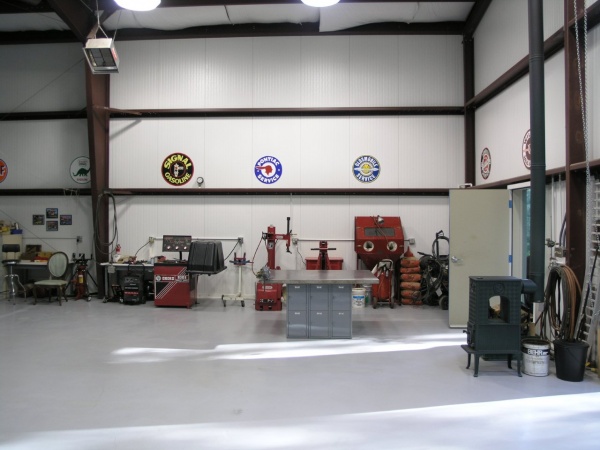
pixel 101 55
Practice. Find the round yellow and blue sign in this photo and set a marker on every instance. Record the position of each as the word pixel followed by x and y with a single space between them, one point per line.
pixel 366 169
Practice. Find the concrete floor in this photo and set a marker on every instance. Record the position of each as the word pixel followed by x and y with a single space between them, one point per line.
pixel 93 375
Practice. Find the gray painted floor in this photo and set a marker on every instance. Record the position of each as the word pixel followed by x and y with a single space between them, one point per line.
pixel 93 375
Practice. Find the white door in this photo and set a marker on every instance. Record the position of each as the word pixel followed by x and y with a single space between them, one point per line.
pixel 479 244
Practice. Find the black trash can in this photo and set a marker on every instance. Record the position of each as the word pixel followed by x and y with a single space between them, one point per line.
pixel 570 358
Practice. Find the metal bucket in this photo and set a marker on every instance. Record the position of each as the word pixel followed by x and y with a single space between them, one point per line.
pixel 536 355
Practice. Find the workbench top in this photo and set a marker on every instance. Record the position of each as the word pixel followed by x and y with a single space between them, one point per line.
pixel 323 277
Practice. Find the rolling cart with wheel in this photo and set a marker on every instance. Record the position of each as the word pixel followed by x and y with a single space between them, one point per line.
pixel 239 263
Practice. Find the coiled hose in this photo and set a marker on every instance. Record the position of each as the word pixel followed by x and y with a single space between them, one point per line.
pixel 562 300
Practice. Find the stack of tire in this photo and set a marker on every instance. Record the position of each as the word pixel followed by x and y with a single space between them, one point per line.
pixel 410 279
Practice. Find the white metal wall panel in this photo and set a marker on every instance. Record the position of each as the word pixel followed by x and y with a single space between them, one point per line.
pixel 48 77
pixel 185 136
pixel 593 79
pixel 314 152
pixel 325 152
pixel 502 123
pixel 377 137
pixel 281 138
pixel 431 71
pixel 138 82
pixel 502 38
pixel 182 72
pixel 334 71
pixel 554 86
pixel 431 152
pixel 500 126
pixel 374 71
pixel 229 76
pixel 228 161
pixel 138 149
pixel 39 153
pixel 325 71
pixel 133 153
pixel 277 72
pixel 422 218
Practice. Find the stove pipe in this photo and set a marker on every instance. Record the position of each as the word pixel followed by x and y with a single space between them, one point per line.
pixel 538 147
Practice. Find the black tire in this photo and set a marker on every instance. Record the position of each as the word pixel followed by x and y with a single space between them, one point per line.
pixel 444 302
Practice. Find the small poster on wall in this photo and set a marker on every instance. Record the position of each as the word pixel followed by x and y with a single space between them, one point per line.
pixel 52 225
pixel 38 219
pixel 51 213
pixel 66 219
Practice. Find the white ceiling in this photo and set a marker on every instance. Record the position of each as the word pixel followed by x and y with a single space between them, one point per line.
pixel 335 18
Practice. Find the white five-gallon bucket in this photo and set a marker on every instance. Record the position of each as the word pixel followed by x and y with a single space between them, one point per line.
pixel 536 355
pixel 358 297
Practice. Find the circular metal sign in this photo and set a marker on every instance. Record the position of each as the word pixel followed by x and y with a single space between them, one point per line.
pixel 366 169
pixel 177 169
pixel 268 170
pixel 486 163
pixel 80 170
pixel 3 171
pixel 526 149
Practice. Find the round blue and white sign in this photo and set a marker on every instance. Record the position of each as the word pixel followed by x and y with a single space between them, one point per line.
pixel 366 169
pixel 268 169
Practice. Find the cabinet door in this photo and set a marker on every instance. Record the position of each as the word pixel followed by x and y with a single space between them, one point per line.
pixel 297 297
pixel 297 324
pixel 319 297
pixel 341 324
pixel 341 297
pixel 319 324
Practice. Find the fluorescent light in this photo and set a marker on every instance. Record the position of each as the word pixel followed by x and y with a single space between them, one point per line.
pixel 320 3
pixel 138 5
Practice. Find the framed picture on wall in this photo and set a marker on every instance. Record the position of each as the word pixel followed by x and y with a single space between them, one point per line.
pixel 66 219
pixel 52 225
pixel 51 213
pixel 38 219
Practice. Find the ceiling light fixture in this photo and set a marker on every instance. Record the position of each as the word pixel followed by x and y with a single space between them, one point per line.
pixel 139 5
pixel 320 3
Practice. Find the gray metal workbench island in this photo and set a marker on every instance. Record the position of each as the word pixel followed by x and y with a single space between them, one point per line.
pixel 319 302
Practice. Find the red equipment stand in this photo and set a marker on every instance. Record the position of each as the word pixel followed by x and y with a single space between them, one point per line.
pixel 172 285
pixel 335 263
pixel 269 295
pixel 323 261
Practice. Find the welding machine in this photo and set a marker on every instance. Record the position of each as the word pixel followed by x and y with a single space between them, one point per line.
pixel 133 291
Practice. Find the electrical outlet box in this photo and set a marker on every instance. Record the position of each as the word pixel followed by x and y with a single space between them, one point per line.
pixel 79 239
pixel 295 241
pixel 151 240
pixel 411 241
pixel 240 240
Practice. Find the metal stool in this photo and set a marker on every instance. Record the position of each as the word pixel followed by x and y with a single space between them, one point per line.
pixel 12 279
